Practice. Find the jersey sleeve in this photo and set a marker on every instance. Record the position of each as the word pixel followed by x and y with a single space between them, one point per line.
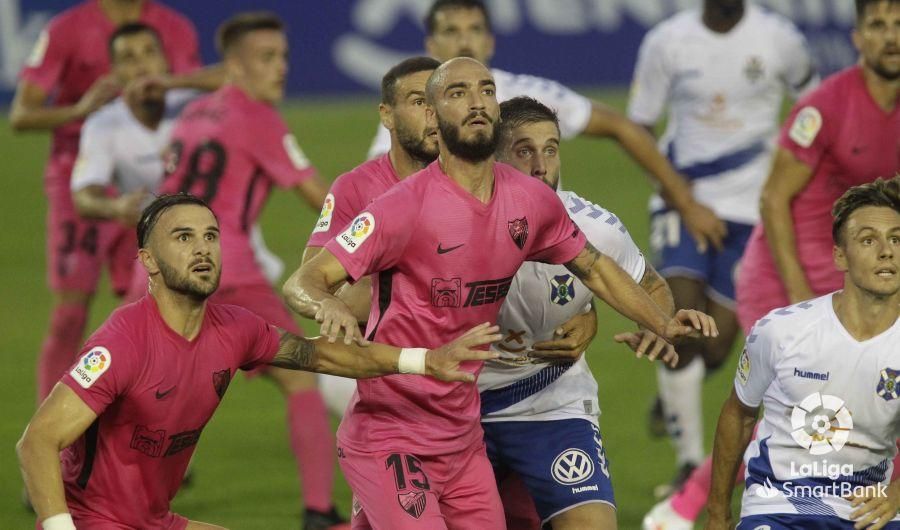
pixel 105 369
pixel 261 340
pixel 278 153
pixel 381 144
pixel 608 235
pixel 807 131
pixel 377 237
pixel 341 206
pixel 48 59
pixel 557 238
pixel 799 70
pixel 95 163
pixel 756 367
pixel 650 82
pixel 573 109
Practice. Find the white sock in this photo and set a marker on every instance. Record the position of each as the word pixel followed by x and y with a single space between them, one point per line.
pixel 681 392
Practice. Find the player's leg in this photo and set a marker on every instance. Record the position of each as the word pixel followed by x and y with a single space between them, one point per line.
pixel 197 525
pixel 518 506
pixel 592 515
pixel 394 490
pixel 469 498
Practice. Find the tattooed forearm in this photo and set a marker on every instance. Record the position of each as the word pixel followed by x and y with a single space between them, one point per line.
pixel 295 353
pixel 584 262
pixel 657 288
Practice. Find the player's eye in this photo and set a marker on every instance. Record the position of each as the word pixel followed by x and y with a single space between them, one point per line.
pixel 867 241
pixel 550 151
pixel 456 94
pixel 419 102
pixel 184 237
pixel 525 152
pixel 210 236
pixel 895 240
pixel 489 91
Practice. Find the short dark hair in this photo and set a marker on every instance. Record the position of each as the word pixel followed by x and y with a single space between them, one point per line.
pixel 523 110
pixel 861 6
pixel 881 192
pixel 407 67
pixel 126 30
pixel 155 209
pixel 235 28
pixel 442 5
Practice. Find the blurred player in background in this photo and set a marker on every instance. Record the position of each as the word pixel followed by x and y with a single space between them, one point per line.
pixel 462 28
pixel 539 400
pixel 229 148
pixel 446 244
pixel 413 146
pixel 721 70
pixel 841 134
pixel 65 79
pixel 825 371
pixel 131 410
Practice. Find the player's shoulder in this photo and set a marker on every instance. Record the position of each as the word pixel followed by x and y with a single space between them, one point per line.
pixel 517 84
pixel 125 328
pixel 108 117
pixel 683 22
pixel 168 15
pixel 230 317
pixel 766 19
pixel 589 216
pixel 514 178
pixel 834 91
pixel 786 325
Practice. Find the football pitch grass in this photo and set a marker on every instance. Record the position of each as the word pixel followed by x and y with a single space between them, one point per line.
pixel 245 476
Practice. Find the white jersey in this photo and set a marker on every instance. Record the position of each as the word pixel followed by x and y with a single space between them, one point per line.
pixel 832 411
pixel 541 298
pixel 724 94
pixel 573 109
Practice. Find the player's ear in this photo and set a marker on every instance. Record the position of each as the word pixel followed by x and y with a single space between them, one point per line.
pixel 856 38
pixel 840 258
pixel 430 48
pixel 148 262
pixel 386 113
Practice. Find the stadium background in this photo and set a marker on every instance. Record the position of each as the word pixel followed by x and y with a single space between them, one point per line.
pixel 245 475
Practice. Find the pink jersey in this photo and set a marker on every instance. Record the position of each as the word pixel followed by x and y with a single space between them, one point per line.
pixel 153 392
pixel 230 149
pixel 847 139
pixel 71 54
pixel 445 262
pixel 350 194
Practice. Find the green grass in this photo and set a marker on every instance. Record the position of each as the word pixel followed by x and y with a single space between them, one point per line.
pixel 245 474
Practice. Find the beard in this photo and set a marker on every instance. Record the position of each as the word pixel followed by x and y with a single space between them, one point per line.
pixel 183 283
pixel 477 149
pixel 882 71
pixel 417 146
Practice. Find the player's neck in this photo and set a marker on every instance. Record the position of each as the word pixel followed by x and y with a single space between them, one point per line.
pixel 404 164
pixel 885 93
pixel 183 314
pixel 122 11
pixel 863 314
pixel 721 19
pixel 475 177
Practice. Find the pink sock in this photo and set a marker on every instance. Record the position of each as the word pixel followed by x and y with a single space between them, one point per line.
pixel 690 500
pixel 314 447
pixel 60 347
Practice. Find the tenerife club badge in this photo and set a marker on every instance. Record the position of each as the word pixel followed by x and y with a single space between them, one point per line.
pixel 518 230
pixel 889 385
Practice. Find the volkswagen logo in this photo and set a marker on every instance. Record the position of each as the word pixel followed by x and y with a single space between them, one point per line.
pixel 572 466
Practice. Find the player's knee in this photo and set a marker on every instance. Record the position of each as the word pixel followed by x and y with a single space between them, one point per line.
pixel 69 315
pixel 71 298
pixel 590 516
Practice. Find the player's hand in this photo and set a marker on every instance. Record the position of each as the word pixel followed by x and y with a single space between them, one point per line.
pixel 704 226
pixel 690 323
pixel 570 339
pixel 151 87
pixel 130 206
pixel 336 317
pixel 100 93
pixel 874 511
pixel 443 363
pixel 649 344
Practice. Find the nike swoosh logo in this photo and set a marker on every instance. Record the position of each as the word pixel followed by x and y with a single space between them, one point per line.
pixel 446 250
pixel 160 395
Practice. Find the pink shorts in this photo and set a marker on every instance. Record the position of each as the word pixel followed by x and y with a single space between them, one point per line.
pixel 399 491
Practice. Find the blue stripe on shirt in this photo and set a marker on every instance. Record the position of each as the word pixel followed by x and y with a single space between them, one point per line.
pixel 501 398
pixel 719 165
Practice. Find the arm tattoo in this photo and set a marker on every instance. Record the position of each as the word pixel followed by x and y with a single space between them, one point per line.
pixel 651 279
pixel 584 262
pixel 295 353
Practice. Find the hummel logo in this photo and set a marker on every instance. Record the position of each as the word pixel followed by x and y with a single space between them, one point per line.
pixel 446 250
pixel 160 395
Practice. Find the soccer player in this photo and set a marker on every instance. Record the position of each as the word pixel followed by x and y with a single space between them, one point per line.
pixel 824 369
pixel 413 146
pixel 64 80
pixel 130 411
pixel 539 401
pixel 446 243
pixel 229 148
pixel 462 28
pixel 721 70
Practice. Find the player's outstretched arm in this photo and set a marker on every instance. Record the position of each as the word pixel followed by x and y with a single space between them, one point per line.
pixel 733 434
pixel 92 202
pixel 701 222
pixel 647 343
pixel 30 112
pixel 60 420
pixel 350 360
pixel 787 178
pixel 357 296
pixel 615 287
pixel 308 292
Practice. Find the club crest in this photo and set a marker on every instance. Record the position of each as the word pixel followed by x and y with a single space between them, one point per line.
pixel 413 503
pixel 889 384
pixel 562 289
pixel 221 380
pixel 518 230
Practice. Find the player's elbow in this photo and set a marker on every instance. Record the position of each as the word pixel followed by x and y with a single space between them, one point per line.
pixel 771 202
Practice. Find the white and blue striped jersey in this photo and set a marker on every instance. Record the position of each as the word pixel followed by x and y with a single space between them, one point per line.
pixel 573 109
pixel 541 298
pixel 723 92
pixel 832 411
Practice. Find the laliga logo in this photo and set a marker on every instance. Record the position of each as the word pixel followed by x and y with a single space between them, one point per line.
pixel 821 423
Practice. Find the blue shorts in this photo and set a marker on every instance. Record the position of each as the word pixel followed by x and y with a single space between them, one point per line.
pixel 799 522
pixel 562 462
pixel 677 255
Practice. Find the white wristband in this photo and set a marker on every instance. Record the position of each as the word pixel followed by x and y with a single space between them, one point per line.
pixel 412 360
pixel 60 521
